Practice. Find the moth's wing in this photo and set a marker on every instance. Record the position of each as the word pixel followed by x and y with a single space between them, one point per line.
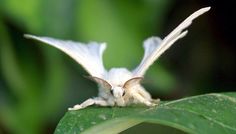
pixel 154 46
pixel 88 55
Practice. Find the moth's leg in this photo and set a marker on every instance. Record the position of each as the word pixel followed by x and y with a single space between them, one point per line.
pixel 146 95
pixel 143 100
pixel 101 102
pixel 89 102
pixel 86 103
pixel 156 101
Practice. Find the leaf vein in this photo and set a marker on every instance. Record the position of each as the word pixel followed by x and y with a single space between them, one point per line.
pixel 207 117
pixel 225 96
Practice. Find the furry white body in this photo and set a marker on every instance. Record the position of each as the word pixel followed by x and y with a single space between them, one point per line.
pixel 119 86
pixel 117 78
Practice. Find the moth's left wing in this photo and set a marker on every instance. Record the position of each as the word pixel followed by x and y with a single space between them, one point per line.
pixel 88 55
pixel 154 46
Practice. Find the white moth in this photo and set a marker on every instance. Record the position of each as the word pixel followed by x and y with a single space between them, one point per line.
pixel 119 86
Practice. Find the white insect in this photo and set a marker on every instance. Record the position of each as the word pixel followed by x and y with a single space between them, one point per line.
pixel 119 86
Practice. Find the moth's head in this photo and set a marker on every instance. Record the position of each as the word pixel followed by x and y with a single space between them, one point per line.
pixel 119 90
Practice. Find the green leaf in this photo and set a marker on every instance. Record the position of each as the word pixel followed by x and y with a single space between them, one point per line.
pixel 203 114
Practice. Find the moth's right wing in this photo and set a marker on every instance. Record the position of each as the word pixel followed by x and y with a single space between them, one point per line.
pixel 88 55
pixel 154 46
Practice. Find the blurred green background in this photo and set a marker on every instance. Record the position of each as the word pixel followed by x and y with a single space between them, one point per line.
pixel 38 82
